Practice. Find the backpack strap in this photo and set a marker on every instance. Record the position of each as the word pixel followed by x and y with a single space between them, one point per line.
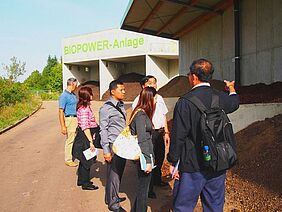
pixel 215 101
pixel 119 110
pixel 197 102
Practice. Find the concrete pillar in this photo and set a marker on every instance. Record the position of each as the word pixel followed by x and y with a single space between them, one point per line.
pixel 159 68
pixel 66 75
pixel 105 77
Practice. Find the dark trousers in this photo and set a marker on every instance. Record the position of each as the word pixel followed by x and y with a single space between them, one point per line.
pixel 141 201
pixel 83 173
pixel 210 187
pixel 159 152
pixel 114 174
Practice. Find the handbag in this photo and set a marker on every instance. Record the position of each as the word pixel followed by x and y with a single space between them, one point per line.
pixel 126 145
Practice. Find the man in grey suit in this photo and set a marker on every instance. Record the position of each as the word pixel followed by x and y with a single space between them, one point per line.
pixel 112 121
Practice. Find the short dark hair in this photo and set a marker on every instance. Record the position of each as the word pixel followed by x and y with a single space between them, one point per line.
pixel 146 79
pixel 113 84
pixel 71 81
pixel 203 69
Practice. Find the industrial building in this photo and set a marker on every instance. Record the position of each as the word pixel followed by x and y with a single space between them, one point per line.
pixel 242 38
pixel 106 55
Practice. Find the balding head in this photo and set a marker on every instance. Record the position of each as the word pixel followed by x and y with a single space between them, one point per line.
pixel 203 69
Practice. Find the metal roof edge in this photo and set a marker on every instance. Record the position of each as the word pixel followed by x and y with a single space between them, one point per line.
pixel 126 12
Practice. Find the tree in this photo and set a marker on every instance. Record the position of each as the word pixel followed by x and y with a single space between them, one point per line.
pixel 34 81
pixel 15 69
pixel 52 75
pixel 54 81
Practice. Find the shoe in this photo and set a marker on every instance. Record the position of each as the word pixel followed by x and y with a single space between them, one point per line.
pixel 80 184
pixel 162 184
pixel 121 199
pixel 120 209
pixel 71 164
pixel 152 195
pixel 89 187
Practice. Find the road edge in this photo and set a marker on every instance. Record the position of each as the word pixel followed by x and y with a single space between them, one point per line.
pixel 21 120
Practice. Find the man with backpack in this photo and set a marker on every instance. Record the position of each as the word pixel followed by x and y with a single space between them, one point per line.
pixel 202 144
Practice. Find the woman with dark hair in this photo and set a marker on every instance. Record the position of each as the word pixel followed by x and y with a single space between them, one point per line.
pixel 141 125
pixel 84 138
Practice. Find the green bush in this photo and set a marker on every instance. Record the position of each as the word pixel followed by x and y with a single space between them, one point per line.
pixel 12 92
pixel 9 115
pixel 50 96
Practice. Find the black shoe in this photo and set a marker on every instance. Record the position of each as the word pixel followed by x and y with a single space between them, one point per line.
pixel 89 187
pixel 80 184
pixel 120 209
pixel 152 195
pixel 121 199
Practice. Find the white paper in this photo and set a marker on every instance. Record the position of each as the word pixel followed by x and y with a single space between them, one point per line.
pixel 152 162
pixel 175 168
pixel 89 154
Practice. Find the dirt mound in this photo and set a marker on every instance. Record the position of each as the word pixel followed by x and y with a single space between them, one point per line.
pixel 256 182
pixel 94 85
pixel 132 86
pixel 178 86
pixel 257 93
pixel 260 93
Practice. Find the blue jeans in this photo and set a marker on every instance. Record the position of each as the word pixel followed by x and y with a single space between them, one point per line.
pixel 209 186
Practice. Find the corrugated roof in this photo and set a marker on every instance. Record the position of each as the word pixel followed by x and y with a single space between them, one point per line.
pixel 170 18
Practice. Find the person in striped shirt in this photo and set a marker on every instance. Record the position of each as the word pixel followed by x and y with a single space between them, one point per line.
pixel 86 123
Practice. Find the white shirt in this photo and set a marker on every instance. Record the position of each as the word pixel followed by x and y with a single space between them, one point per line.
pixel 160 111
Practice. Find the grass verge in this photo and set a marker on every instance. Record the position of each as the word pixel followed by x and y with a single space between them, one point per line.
pixel 9 115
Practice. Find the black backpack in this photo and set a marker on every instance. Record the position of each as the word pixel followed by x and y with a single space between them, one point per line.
pixel 217 134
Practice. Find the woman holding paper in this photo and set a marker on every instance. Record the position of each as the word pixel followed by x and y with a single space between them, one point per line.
pixel 141 125
pixel 84 138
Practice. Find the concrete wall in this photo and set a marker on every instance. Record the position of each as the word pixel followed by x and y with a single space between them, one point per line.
pixel 261 44
pixel 159 68
pixel 244 116
pixel 137 67
pixel 106 76
pixel 114 43
pixel 94 72
pixel 173 68
pixel 261 41
pixel 75 71
pixel 214 41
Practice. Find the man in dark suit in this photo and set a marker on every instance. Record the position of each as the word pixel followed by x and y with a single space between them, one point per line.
pixel 192 179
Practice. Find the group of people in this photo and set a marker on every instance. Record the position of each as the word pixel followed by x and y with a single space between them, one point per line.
pixel 148 121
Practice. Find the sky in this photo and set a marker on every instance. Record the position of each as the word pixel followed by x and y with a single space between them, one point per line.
pixel 33 29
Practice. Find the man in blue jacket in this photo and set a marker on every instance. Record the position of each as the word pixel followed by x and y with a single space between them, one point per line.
pixel 192 179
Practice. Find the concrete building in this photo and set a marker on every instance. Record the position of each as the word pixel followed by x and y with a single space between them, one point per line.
pixel 243 38
pixel 106 55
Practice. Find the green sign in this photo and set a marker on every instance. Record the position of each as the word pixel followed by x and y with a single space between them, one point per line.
pixel 100 45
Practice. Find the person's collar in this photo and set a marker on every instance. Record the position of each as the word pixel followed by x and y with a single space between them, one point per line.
pixel 202 84
pixel 116 102
pixel 68 91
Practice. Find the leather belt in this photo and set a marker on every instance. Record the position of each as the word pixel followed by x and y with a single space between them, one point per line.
pixel 160 130
pixel 70 116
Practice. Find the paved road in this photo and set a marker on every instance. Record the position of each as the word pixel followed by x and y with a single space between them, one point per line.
pixel 34 177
